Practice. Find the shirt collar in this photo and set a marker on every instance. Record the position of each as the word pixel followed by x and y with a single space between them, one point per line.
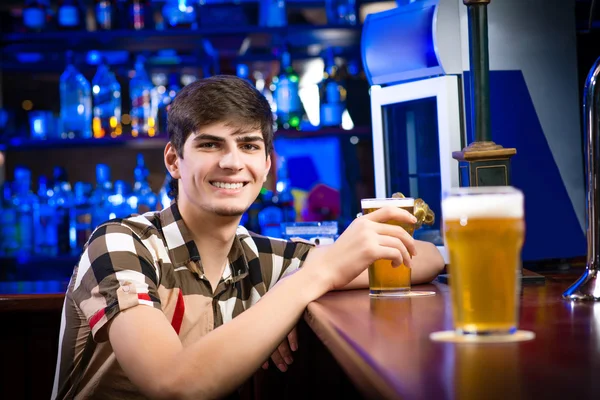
pixel 182 248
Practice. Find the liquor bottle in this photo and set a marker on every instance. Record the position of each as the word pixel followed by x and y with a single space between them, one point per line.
pixel 9 239
pixel 143 198
pixel 179 14
pixel 75 102
pixel 289 107
pixel 272 13
pixel 45 222
pixel 35 15
pixel 24 203
pixel 139 14
pixel 83 215
pixel 105 14
pixel 340 12
pixel 64 208
pixel 107 103
pixel 117 201
pixel 285 198
pixel 99 199
pixel 264 89
pixel 332 94
pixel 70 15
pixel 143 101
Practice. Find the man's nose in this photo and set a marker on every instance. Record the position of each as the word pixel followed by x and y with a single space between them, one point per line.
pixel 231 160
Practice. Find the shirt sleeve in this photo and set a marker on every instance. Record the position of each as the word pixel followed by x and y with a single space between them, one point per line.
pixel 280 258
pixel 116 272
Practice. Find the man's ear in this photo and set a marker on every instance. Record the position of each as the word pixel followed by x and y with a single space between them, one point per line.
pixel 267 167
pixel 172 161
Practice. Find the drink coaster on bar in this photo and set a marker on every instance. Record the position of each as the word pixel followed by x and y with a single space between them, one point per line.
pixel 453 337
pixel 416 293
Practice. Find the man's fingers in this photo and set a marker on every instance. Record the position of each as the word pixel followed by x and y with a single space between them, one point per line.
pixel 293 339
pixel 286 352
pixel 277 359
pixel 265 365
pixel 396 244
pixel 388 213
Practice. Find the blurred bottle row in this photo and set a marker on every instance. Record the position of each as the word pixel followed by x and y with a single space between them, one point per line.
pixel 58 219
pixel 45 15
pixel 95 109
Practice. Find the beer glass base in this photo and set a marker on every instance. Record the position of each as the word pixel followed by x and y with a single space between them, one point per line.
pixel 458 337
pixel 399 293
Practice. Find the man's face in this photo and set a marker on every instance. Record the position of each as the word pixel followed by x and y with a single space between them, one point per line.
pixel 222 170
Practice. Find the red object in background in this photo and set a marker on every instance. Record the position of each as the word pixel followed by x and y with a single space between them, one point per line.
pixel 322 204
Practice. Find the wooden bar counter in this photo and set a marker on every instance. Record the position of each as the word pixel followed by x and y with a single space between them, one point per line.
pixel 384 347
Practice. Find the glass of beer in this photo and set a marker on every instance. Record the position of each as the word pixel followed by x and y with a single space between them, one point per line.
pixel 384 279
pixel 484 232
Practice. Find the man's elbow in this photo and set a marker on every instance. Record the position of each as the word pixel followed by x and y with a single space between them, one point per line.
pixel 431 263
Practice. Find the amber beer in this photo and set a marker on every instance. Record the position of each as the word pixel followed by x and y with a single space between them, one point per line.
pixel 385 280
pixel 484 232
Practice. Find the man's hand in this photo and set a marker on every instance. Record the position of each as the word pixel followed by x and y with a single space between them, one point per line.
pixel 367 239
pixel 282 356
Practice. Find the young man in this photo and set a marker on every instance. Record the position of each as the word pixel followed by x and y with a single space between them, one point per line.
pixel 166 304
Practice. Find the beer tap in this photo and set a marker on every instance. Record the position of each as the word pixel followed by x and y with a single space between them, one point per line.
pixel 587 287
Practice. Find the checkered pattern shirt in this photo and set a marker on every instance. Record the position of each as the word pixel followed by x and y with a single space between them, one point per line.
pixel 151 260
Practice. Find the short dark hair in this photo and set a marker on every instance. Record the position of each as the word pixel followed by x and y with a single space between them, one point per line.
pixel 217 99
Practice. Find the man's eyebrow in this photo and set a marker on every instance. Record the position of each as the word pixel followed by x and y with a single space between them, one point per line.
pixel 249 138
pixel 206 136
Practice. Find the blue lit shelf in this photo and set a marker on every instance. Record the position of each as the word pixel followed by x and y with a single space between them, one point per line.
pixel 148 40
pixel 157 142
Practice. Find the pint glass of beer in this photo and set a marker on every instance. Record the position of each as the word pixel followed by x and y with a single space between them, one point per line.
pixel 384 279
pixel 484 233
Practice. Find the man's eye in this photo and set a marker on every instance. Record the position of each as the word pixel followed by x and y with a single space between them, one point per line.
pixel 249 146
pixel 208 145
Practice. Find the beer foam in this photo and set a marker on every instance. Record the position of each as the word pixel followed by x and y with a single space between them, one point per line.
pixel 487 205
pixel 394 202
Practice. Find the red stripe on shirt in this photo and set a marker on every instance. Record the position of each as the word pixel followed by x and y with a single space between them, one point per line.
pixel 178 314
pixel 144 296
pixel 96 317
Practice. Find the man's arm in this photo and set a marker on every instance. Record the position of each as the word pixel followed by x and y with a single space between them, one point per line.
pixel 153 358
pixel 427 265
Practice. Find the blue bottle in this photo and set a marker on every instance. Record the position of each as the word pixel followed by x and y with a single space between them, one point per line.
pixel 270 217
pixel 272 13
pixel 119 207
pixel 24 203
pixel 107 103
pixel 340 12
pixel 179 14
pixel 143 198
pixel 290 111
pixel 82 215
pixel 332 94
pixel 64 208
pixel 45 221
pixel 285 198
pixel 163 196
pixel 143 102
pixel 9 240
pixel 99 203
pixel 75 102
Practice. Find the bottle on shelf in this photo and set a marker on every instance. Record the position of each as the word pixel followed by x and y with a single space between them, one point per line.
pixel 64 208
pixel 99 198
pixel 70 15
pixel 35 15
pixel 179 14
pixel 270 216
pixel 272 13
pixel 332 93
pixel 45 221
pixel 163 196
pixel 290 111
pixel 143 198
pixel 105 14
pixel 82 215
pixel 75 102
pixel 143 101
pixel 340 12
pixel 24 203
pixel 9 238
pixel 263 88
pixel 165 98
pixel 107 103
pixel 139 14
pixel 118 206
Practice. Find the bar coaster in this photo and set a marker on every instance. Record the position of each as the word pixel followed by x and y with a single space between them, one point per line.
pixel 453 337
pixel 411 293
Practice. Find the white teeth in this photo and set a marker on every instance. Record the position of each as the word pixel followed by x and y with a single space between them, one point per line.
pixel 223 185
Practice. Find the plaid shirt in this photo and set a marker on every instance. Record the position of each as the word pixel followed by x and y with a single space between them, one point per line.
pixel 151 260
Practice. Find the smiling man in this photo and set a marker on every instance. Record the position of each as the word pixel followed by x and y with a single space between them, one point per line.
pixel 166 304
